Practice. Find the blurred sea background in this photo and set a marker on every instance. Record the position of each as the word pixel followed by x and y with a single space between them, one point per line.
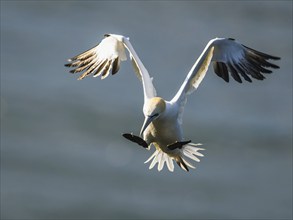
pixel 62 153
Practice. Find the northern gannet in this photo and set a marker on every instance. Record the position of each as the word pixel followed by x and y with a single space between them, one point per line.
pixel 163 119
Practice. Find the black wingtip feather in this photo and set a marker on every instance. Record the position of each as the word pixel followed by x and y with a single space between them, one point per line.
pixel 253 64
pixel 115 67
pixel 264 55
pixel 221 70
pixel 234 73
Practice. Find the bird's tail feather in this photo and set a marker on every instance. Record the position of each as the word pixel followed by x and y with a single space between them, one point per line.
pixel 161 158
pixel 183 157
pixel 189 152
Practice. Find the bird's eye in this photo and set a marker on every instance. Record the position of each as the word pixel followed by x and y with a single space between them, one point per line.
pixel 155 115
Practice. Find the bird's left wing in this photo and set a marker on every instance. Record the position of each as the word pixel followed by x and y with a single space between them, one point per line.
pixel 229 58
pixel 106 57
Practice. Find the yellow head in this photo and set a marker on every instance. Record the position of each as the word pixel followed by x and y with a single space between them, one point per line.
pixel 155 106
pixel 152 110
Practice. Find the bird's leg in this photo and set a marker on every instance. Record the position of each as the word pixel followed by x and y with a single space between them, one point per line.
pixel 177 144
pixel 136 139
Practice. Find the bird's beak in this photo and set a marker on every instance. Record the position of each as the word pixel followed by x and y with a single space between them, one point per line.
pixel 146 123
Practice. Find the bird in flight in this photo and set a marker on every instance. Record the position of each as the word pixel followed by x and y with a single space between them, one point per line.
pixel 162 127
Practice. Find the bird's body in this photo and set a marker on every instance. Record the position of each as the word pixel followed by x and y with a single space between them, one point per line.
pixel 165 129
pixel 162 126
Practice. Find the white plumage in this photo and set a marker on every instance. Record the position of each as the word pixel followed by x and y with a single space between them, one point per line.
pixel 163 119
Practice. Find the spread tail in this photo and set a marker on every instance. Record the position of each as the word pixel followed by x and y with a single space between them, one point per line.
pixel 183 157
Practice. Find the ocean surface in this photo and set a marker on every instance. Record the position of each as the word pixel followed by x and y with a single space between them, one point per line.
pixel 62 153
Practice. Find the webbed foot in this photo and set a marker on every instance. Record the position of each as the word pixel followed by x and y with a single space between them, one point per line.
pixel 135 139
pixel 177 144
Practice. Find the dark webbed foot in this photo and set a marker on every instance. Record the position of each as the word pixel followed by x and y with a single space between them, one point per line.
pixel 177 144
pixel 135 139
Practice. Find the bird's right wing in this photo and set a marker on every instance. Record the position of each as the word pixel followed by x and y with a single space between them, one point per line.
pixel 106 57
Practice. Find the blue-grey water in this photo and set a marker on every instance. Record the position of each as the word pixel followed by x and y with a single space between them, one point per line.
pixel 62 154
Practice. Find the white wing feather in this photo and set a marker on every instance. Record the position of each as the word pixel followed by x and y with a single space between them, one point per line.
pixel 141 71
pixel 106 57
pixel 228 57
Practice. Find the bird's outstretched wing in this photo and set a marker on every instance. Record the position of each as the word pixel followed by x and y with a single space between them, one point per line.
pixel 229 58
pixel 106 57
